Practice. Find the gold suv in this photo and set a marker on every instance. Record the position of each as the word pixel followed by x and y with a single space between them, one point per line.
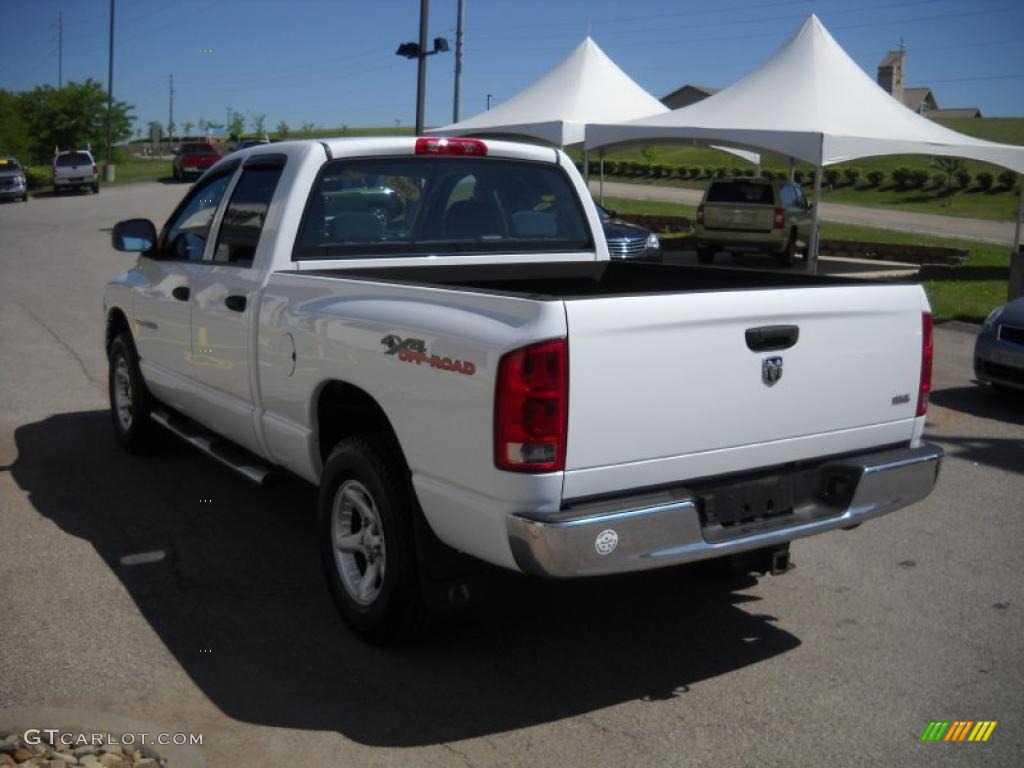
pixel 743 214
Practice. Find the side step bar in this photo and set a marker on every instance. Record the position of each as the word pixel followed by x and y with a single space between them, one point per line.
pixel 230 455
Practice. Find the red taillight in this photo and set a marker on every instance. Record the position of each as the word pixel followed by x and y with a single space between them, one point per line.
pixel 94 168
pixel 531 408
pixel 700 215
pixel 779 222
pixel 927 352
pixel 468 147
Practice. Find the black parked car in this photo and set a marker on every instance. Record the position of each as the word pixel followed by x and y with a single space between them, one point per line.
pixel 628 241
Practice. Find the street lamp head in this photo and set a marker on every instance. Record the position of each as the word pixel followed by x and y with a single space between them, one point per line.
pixel 409 50
pixel 440 45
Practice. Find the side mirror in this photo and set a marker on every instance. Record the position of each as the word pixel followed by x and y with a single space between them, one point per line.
pixel 134 236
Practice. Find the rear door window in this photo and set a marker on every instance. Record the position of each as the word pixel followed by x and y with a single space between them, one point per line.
pixel 245 215
pixel 420 206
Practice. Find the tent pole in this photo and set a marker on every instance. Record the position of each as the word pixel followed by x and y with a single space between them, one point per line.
pixel 1016 287
pixel 602 178
pixel 792 168
pixel 586 167
pixel 812 246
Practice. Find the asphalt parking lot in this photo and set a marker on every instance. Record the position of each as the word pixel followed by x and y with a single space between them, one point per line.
pixel 915 617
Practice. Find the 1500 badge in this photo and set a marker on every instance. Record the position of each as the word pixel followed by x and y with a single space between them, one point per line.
pixel 415 351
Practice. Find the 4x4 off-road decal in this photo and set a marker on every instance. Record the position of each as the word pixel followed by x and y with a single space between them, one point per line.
pixel 415 351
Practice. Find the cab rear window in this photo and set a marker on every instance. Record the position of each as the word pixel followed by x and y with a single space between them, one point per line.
pixel 417 206
pixel 740 192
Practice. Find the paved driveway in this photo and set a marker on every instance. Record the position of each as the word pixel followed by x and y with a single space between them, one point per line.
pixel 914 617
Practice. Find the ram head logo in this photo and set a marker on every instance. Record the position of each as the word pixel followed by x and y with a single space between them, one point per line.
pixel 771 370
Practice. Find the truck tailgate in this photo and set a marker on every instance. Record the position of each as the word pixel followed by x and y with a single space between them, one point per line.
pixel 664 388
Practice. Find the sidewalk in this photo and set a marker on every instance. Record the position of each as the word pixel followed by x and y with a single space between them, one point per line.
pixel 880 218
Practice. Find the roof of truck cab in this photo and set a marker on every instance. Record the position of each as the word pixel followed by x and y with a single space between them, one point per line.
pixel 406 145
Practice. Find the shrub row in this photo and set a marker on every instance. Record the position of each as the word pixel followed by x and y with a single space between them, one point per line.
pixel 902 177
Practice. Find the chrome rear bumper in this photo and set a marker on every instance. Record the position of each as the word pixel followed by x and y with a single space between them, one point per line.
pixel 663 528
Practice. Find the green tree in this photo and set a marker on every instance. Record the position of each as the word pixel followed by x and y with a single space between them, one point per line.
pixel 650 154
pixel 282 130
pixel 15 134
pixel 187 125
pixel 71 118
pixel 307 129
pixel 950 167
pixel 257 123
pixel 236 126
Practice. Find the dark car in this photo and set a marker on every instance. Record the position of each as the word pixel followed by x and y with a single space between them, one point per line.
pixel 246 143
pixel 628 241
pixel 999 349
pixel 13 184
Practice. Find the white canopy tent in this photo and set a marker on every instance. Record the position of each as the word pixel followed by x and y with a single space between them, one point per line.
pixel 811 102
pixel 585 87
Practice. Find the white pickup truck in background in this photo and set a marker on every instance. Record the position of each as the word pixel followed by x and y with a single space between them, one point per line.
pixel 432 331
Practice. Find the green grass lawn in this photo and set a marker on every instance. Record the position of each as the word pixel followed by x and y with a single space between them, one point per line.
pixel 967 293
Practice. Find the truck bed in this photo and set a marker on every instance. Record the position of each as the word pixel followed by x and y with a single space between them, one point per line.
pixel 569 280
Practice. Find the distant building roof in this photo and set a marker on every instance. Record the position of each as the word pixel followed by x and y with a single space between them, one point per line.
pixel 920 99
pixel 940 114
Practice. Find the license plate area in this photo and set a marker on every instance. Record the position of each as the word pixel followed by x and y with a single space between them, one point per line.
pixel 749 505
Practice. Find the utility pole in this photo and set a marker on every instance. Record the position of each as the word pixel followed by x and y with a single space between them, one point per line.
pixel 421 64
pixel 489 95
pixel 108 170
pixel 227 123
pixel 458 60
pixel 60 51
pixel 170 116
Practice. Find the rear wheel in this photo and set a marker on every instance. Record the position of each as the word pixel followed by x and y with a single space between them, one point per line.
pixel 788 254
pixel 705 255
pixel 95 188
pixel 130 401
pixel 366 538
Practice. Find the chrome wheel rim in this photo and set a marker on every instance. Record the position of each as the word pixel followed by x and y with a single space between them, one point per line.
pixel 357 537
pixel 123 399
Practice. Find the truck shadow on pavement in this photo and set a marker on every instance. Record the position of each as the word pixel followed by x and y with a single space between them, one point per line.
pixel 982 402
pixel 239 600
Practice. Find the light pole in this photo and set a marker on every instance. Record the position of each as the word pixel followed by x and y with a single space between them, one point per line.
pixel 489 101
pixel 458 60
pixel 419 52
pixel 108 169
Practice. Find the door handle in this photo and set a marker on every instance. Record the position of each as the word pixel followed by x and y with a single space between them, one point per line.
pixel 772 337
pixel 181 293
pixel 236 303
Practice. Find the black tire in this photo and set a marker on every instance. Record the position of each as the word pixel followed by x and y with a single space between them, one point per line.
pixel 96 188
pixel 56 191
pixel 705 255
pixel 134 428
pixel 787 255
pixel 24 198
pixel 371 468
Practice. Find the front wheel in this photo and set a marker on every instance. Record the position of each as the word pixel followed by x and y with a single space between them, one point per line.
pixel 130 401
pixel 366 534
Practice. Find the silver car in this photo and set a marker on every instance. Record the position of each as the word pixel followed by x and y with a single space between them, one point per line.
pixel 13 184
pixel 999 349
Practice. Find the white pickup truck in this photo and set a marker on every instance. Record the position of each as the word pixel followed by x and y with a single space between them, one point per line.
pixel 432 331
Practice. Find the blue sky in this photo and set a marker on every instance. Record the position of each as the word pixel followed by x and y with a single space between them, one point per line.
pixel 332 62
